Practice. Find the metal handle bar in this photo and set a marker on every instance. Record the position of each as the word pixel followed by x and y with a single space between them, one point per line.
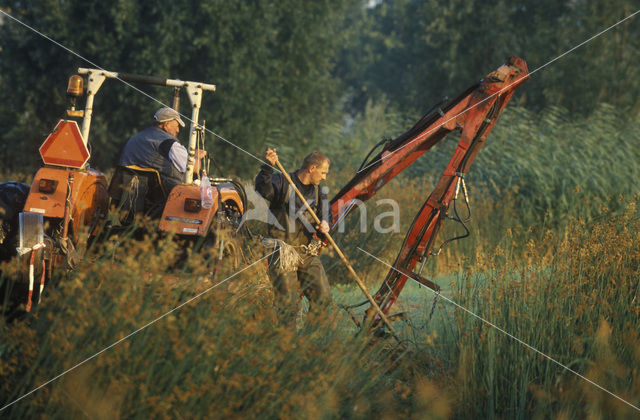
pixel 147 80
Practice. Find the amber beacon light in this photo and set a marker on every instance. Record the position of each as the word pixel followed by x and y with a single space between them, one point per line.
pixel 75 86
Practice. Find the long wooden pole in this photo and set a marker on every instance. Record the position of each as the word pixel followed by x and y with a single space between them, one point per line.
pixel 340 254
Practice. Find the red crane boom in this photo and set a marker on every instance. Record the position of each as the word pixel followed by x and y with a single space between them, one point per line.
pixel 473 113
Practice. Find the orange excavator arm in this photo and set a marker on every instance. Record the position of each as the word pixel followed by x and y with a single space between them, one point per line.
pixel 473 113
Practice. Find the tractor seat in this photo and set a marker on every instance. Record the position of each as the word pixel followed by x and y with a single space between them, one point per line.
pixel 137 190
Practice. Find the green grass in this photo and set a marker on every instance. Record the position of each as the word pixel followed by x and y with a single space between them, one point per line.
pixel 555 265
pixel 221 356
pixel 572 295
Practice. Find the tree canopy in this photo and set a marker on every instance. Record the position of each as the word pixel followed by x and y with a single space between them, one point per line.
pixel 271 63
pixel 284 70
pixel 415 52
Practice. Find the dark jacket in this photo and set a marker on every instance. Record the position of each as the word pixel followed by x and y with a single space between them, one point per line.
pixel 276 190
pixel 150 149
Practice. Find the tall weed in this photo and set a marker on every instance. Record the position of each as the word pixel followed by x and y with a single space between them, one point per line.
pixel 573 297
pixel 222 355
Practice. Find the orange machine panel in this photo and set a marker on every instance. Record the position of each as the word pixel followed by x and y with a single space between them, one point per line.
pixel 48 204
pixel 49 191
pixel 89 198
pixel 176 219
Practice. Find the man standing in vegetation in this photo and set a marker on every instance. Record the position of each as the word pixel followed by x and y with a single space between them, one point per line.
pixel 292 228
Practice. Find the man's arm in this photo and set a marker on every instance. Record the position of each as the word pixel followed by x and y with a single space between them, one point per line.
pixel 263 183
pixel 267 184
pixel 178 155
pixel 325 212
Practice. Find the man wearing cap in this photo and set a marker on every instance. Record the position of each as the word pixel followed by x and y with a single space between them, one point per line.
pixel 158 147
pixel 292 226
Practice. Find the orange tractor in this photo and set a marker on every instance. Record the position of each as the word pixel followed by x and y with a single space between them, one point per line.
pixel 65 207
pixel 201 210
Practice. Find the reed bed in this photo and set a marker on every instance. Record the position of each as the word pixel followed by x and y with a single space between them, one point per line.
pixel 553 259
pixel 222 355
pixel 573 297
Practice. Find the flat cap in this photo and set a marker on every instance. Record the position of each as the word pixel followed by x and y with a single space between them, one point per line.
pixel 168 114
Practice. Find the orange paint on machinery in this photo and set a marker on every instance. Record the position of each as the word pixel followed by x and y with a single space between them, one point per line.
pixel 184 215
pixel 87 194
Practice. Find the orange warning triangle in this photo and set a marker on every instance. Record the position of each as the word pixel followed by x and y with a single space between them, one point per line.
pixel 64 146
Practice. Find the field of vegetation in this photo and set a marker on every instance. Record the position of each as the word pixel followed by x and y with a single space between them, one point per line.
pixel 539 315
pixel 553 260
